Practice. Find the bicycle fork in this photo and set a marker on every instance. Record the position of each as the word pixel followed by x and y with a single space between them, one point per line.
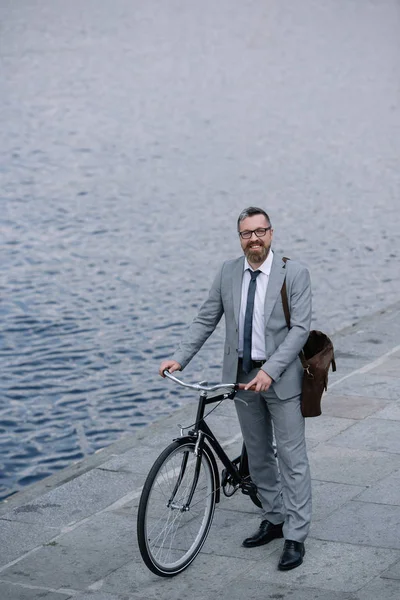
pixel 197 452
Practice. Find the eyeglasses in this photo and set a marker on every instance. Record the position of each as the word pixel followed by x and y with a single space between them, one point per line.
pixel 260 232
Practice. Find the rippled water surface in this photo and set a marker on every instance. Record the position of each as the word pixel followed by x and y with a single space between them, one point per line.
pixel 132 135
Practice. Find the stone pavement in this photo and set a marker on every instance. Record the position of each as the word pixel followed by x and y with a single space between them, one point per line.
pixel 73 535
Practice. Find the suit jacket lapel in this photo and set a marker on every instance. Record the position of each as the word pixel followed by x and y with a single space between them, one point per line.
pixel 237 277
pixel 276 277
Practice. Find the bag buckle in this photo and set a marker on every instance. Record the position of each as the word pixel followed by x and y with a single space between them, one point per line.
pixel 309 374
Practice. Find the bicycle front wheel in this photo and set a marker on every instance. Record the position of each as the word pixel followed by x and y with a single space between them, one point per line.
pixel 176 508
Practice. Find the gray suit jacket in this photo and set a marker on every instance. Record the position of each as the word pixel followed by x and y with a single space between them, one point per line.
pixel 282 345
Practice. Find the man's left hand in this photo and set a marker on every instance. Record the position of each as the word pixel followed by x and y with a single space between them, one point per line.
pixel 260 383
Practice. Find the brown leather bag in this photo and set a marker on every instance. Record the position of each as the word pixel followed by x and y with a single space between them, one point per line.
pixel 316 357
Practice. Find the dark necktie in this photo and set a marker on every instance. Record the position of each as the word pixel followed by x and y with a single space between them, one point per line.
pixel 248 322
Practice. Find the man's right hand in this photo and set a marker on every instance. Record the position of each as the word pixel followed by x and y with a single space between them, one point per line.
pixel 169 365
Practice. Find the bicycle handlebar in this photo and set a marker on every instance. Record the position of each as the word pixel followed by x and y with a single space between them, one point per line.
pixel 200 386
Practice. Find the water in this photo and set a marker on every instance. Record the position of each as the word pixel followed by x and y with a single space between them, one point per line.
pixel 132 136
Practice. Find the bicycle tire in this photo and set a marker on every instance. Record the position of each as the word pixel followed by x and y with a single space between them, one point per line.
pixel 170 537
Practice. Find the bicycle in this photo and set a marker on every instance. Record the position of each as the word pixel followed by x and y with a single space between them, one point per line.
pixel 179 495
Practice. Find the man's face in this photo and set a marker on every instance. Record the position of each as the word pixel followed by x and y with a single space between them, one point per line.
pixel 256 248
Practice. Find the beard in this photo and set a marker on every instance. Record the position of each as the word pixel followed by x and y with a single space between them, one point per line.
pixel 256 254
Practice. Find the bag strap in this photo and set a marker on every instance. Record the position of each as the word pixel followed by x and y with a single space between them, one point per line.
pixel 285 304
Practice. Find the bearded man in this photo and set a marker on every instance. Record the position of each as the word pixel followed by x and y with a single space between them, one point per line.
pixel 262 353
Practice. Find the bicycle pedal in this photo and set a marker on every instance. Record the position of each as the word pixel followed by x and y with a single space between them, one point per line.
pixel 249 488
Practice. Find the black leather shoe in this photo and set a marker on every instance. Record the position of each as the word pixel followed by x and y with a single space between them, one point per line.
pixel 292 555
pixel 265 534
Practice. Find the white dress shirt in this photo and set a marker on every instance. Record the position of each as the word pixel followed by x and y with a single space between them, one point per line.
pixel 258 333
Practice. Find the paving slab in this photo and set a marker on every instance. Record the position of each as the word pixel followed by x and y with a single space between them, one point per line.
pixel 78 558
pixel 228 532
pixel 15 591
pixel 390 368
pixel 390 412
pixel 393 572
pixel 131 577
pixel 136 461
pixel 189 584
pixel 77 499
pixel 385 491
pixel 373 385
pixel 339 567
pixel 380 435
pixel 251 589
pixel 383 589
pixel 366 342
pixel 103 596
pixel 352 466
pixel 342 370
pixel 327 497
pixel 353 407
pixel 362 523
pixel 19 538
pixel 324 427
pixel 346 360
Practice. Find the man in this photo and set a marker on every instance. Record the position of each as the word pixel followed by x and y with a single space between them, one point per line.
pixel 262 353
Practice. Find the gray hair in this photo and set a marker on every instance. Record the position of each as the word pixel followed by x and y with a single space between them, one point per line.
pixel 249 212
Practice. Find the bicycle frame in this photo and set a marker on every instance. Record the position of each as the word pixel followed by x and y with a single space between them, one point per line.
pixel 202 432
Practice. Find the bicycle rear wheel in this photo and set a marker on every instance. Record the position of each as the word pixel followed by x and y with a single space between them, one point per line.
pixel 170 531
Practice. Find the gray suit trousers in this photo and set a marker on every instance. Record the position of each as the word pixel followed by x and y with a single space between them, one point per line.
pixel 285 493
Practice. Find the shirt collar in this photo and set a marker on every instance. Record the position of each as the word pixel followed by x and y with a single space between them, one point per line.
pixel 265 267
